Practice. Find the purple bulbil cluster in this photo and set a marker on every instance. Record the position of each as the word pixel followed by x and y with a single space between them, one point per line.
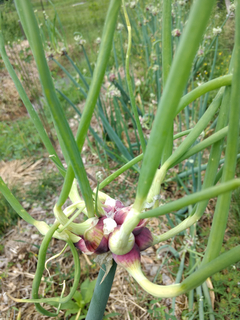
pixel 96 238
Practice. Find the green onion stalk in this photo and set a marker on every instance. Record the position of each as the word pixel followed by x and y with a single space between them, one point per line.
pixel 118 234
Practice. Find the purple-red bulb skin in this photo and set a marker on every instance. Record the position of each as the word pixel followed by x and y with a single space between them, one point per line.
pixel 121 215
pixel 82 247
pixel 129 259
pixel 111 205
pixel 95 240
pixel 144 239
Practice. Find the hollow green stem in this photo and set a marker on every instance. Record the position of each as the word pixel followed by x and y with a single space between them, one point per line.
pixel 191 199
pixel 129 81
pixel 208 299
pixel 182 149
pixel 191 282
pixel 211 171
pixel 181 134
pixel 97 79
pixel 17 206
pixel 40 268
pixel 185 174
pixel 222 208
pixel 166 39
pixel 219 135
pixel 117 173
pixel 166 64
pixel 77 228
pixel 131 163
pixel 66 139
pixel 99 71
pixel 196 131
pixel 39 273
pixel 101 293
pixel 181 66
pixel 202 89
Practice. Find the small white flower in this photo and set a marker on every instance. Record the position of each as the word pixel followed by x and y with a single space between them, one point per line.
pixel 77 38
pixel 181 2
pixel 109 225
pixel 200 52
pixel 138 83
pixel 132 4
pixel 99 175
pixel 113 92
pixel 232 8
pixel 154 11
pixel 176 33
pixel 98 40
pixel 217 31
pixel 153 56
pixel 120 26
pixel 155 67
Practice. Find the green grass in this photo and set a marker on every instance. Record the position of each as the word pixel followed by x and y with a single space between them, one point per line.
pixel 19 139
pixel 44 190
pixel 9 217
pixel 39 193
pixel 87 18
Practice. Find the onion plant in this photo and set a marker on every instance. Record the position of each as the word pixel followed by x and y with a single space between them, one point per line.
pixel 115 233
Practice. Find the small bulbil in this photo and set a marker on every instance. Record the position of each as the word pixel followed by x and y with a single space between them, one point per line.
pixel 144 239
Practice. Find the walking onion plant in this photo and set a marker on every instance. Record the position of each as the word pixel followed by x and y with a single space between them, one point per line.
pixel 117 233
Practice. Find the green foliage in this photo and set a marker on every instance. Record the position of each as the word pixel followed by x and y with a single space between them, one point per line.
pixel 75 17
pixel 10 22
pixel 9 217
pixel 19 139
pixel 227 291
pixel 45 188
pixel 81 299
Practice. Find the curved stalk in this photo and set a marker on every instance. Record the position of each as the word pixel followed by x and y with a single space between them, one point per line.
pixel 191 199
pixel 191 282
pixel 77 228
pixel 39 272
pixel 219 135
pixel 131 163
pixel 217 232
pixel 211 171
pixel 129 82
pixel 18 207
pixel 181 66
pixel 202 89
